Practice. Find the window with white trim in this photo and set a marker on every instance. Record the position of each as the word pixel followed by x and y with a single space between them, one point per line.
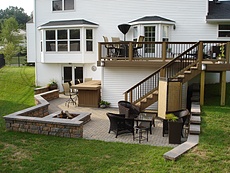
pixel 135 33
pixel 224 31
pixel 150 32
pixel 89 40
pixel 165 33
pixel 63 40
pixel 62 5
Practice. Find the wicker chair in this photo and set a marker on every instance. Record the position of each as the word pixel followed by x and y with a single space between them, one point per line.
pixel 119 124
pixel 130 110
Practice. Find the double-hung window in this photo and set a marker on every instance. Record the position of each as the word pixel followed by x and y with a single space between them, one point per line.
pixel 224 31
pixel 89 40
pixel 63 5
pixel 74 39
pixel 50 40
pixel 62 40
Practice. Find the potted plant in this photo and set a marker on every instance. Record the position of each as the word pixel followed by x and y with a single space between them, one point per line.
pixel 174 128
pixel 52 85
pixel 104 104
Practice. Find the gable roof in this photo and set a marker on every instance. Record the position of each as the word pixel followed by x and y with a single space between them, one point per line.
pixel 218 11
pixel 152 19
pixel 67 23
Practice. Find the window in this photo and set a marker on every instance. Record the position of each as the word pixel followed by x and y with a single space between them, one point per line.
pixel 62 40
pixel 135 34
pixel 89 40
pixel 224 31
pixel 50 40
pixel 61 5
pixel 65 39
pixel 149 37
pixel 165 33
pixel 75 40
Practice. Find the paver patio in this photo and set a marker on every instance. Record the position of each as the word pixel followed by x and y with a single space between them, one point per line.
pixel 97 128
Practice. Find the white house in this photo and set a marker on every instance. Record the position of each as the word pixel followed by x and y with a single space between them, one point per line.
pixel 63 37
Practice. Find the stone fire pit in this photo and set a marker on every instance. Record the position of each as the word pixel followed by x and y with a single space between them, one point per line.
pixel 50 124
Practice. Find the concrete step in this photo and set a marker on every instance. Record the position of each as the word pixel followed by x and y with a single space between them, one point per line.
pixel 195 98
pixel 195 108
pixel 193 139
pixel 194 129
pixel 176 152
pixel 195 119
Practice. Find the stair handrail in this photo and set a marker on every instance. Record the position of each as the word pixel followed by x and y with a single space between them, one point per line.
pixel 157 74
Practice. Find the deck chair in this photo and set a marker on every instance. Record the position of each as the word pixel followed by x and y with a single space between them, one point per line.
pixel 117 46
pixel 68 92
pixel 137 46
pixel 119 124
pixel 109 47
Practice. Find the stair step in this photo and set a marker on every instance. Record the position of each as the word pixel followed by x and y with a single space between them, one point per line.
pixel 195 93
pixel 176 152
pixel 194 68
pixel 195 119
pixel 194 129
pixel 180 76
pixel 195 98
pixel 195 108
pixel 187 72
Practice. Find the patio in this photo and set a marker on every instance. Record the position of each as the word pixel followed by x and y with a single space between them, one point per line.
pixel 97 128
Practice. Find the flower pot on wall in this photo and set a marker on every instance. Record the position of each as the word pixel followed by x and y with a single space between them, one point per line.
pixel 174 129
pixel 53 86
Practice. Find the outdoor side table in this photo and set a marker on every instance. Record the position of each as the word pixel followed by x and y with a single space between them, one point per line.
pixel 145 119
pixel 140 130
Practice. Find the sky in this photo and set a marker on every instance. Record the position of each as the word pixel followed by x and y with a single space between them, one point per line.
pixel 27 5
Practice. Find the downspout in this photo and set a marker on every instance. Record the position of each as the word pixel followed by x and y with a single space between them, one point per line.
pixel 35 33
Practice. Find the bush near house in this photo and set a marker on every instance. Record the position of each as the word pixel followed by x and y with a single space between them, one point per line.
pixel 24 152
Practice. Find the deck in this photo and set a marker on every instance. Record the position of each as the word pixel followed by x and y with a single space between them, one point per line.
pixel 215 54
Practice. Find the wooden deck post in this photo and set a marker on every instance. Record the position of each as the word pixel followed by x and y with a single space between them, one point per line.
pixel 202 85
pixel 130 51
pixel 200 52
pixel 164 47
pixel 223 87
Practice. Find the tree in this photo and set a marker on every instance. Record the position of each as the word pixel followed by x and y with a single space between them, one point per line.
pixel 9 51
pixel 10 38
pixel 18 13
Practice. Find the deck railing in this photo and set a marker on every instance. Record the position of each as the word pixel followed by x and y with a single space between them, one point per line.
pixel 127 50
pixel 206 50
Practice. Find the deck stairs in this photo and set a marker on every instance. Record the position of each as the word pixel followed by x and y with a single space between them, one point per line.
pixel 184 67
pixel 185 75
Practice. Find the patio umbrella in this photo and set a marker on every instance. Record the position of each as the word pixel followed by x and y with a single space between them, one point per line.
pixel 124 28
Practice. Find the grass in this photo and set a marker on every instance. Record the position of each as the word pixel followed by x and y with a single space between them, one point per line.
pixel 24 152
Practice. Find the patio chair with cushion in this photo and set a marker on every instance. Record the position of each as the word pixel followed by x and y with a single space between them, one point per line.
pixel 138 46
pixel 130 110
pixel 119 124
pixel 68 92
pixel 110 48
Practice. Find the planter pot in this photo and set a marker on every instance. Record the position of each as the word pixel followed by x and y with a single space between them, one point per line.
pixel 53 86
pixel 103 106
pixel 175 129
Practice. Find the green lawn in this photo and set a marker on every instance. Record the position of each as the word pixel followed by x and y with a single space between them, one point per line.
pixel 24 152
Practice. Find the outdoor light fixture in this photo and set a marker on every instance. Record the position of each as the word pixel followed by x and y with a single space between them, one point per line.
pixel 203 67
pixel 102 63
